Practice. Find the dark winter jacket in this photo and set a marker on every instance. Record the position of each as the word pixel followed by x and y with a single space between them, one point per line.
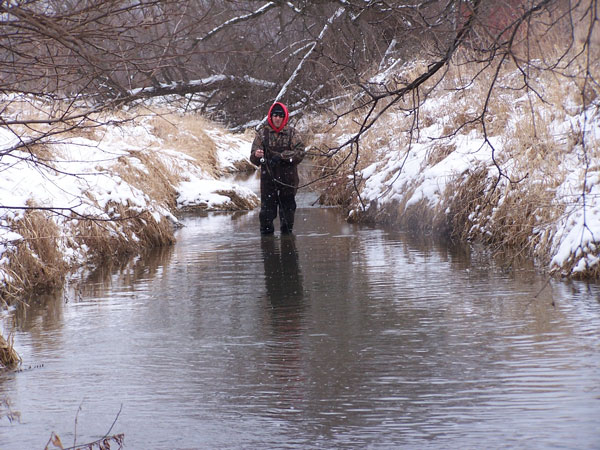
pixel 283 152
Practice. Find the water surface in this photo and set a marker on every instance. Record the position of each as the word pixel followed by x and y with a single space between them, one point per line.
pixel 337 337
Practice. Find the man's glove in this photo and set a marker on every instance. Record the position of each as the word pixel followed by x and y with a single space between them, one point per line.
pixel 275 158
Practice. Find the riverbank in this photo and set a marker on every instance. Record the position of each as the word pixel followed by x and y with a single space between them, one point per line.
pixel 481 157
pixel 99 192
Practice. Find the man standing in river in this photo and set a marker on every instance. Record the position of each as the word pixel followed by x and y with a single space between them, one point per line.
pixel 278 150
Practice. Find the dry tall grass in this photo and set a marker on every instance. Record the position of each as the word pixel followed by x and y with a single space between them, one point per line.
pixel 35 262
pixel 9 358
pixel 186 133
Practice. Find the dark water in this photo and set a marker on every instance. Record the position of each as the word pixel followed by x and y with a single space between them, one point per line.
pixel 339 337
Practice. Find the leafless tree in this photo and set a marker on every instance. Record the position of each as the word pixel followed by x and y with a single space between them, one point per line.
pixel 222 52
pixel 232 58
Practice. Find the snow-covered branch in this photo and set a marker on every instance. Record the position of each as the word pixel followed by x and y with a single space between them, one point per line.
pixel 203 84
pixel 259 12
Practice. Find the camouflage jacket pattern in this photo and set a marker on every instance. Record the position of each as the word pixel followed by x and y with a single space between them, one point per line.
pixel 286 145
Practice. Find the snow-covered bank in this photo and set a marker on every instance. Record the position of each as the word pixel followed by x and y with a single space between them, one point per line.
pixel 530 183
pixel 132 177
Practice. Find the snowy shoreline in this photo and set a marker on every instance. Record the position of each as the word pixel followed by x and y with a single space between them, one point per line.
pixel 108 177
pixel 535 192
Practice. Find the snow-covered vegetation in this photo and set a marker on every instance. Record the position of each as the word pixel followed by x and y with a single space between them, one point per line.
pixel 486 159
pixel 109 190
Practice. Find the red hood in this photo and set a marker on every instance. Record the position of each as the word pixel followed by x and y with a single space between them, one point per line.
pixel 285 119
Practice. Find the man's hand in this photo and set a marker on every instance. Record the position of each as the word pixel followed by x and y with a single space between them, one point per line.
pixel 259 153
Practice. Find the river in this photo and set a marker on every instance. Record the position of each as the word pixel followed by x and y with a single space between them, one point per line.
pixel 340 336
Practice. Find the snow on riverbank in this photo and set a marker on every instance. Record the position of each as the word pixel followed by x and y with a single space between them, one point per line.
pixel 540 188
pixel 108 173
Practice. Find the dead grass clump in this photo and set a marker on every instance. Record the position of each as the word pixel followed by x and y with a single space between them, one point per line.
pixel 11 288
pixel 9 358
pixel 158 181
pixel 36 261
pixel 438 152
pixel 332 171
pixel 128 233
pixel 237 202
pixel 42 152
pixel 418 216
pixel 334 184
pixel 466 198
pixel 506 217
pixel 338 169
pixel 185 133
pixel 459 119
pixel 339 191
pixel 151 233
pixel 337 176
pixel 513 220
pixel 586 269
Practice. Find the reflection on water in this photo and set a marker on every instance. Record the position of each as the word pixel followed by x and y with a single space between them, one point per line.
pixel 283 278
pixel 285 296
pixel 336 337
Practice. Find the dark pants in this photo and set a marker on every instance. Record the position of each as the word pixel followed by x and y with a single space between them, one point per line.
pixel 276 196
